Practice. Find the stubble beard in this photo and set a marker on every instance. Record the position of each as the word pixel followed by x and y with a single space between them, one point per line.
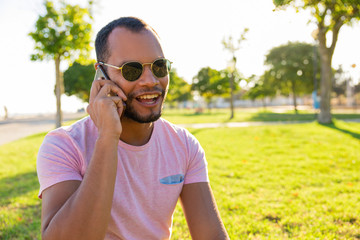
pixel 132 114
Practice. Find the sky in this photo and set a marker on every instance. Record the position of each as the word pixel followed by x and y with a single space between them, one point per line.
pixel 191 33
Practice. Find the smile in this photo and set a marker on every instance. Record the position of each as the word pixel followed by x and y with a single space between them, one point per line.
pixel 148 99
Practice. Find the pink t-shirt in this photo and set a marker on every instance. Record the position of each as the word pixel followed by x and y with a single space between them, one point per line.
pixel 149 178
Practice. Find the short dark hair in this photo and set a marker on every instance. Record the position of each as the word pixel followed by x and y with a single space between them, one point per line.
pixel 101 42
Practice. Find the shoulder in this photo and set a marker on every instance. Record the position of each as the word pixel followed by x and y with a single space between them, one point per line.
pixel 70 137
pixel 75 131
pixel 166 126
pixel 176 134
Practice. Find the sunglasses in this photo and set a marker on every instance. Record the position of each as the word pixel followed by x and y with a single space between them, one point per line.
pixel 132 71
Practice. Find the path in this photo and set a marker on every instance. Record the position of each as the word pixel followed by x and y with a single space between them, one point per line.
pixel 16 128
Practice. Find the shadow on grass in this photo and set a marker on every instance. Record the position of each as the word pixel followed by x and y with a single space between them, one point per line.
pixel 346 116
pixel 335 127
pixel 11 187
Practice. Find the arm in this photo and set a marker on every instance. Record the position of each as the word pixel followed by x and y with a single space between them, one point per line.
pixel 201 212
pixel 81 210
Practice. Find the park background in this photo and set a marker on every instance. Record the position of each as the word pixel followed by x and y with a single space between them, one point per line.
pixel 271 182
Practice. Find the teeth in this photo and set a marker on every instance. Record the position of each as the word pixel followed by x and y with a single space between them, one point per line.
pixel 148 96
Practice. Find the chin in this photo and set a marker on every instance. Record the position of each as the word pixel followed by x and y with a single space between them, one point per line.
pixel 142 118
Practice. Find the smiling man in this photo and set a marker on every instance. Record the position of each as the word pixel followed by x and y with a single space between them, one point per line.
pixel 118 173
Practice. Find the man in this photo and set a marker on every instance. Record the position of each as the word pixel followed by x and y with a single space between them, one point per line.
pixel 119 173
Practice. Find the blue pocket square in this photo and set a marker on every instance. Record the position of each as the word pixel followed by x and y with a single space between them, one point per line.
pixel 174 179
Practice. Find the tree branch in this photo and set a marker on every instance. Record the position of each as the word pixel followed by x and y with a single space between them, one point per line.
pixel 335 34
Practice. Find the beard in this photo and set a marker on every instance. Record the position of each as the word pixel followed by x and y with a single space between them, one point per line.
pixel 132 114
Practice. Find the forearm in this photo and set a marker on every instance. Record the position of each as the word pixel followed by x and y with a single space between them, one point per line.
pixel 86 214
pixel 201 213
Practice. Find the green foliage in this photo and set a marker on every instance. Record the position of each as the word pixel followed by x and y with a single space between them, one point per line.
pixel 263 87
pixel 179 89
pixel 63 32
pixel 339 11
pixel 78 79
pixel 291 67
pixel 210 82
pixel 231 46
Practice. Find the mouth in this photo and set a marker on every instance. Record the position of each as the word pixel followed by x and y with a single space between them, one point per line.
pixel 148 99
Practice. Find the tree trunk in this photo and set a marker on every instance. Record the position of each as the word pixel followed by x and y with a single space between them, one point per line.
pixel 264 103
pixel 326 54
pixel 232 96
pixel 294 96
pixel 58 92
pixel 325 85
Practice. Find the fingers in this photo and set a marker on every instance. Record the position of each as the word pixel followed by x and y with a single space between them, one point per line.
pixel 103 91
pixel 111 89
pixel 102 88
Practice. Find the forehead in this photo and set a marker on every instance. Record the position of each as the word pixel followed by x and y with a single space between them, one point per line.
pixel 125 45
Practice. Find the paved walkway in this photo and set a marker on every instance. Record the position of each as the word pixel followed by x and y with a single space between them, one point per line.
pixel 16 128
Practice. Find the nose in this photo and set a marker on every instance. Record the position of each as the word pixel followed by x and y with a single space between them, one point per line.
pixel 148 78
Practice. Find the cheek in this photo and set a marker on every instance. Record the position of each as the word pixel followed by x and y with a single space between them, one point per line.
pixel 124 85
pixel 165 83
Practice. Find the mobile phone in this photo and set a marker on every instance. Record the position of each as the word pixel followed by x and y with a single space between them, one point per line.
pixel 100 73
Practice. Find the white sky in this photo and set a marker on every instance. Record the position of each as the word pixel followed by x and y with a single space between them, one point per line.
pixel 191 33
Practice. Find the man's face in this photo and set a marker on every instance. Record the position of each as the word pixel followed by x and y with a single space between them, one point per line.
pixel 147 94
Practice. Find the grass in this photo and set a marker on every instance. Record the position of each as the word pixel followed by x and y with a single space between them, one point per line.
pixel 284 182
pixel 297 181
pixel 19 206
pixel 185 116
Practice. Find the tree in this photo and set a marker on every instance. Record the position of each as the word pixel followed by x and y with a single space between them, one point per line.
pixel 263 87
pixel 210 82
pixel 232 47
pixel 78 79
pixel 291 66
pixel 62 33
pixel 329 16
pixel 179 89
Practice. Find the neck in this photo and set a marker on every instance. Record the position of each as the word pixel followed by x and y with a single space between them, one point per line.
pixel 134 133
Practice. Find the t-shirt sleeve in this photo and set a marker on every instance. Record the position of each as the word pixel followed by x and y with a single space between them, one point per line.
pixel 197 165
pixel 58 160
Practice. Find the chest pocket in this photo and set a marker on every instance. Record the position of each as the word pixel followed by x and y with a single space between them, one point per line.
pixel 173 179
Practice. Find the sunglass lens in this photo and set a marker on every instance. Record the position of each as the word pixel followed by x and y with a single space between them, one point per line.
pixel 161 67
pixel 132 71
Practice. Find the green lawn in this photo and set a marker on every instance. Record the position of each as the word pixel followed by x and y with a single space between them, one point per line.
pixel 284 182
pixel 271 182
pixel 244 115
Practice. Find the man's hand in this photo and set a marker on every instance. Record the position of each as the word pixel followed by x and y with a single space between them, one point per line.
pixel 106 106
